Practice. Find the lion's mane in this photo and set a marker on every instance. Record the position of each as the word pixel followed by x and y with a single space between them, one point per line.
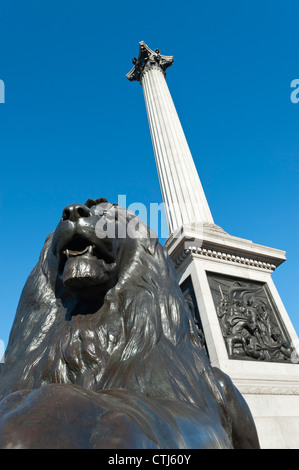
pixel 143 338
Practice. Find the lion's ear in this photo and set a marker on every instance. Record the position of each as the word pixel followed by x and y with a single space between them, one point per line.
pixel 94 202
pixel 100 200
pixel 90 203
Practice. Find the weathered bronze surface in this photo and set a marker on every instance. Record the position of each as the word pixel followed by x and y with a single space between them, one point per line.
pixel 104 352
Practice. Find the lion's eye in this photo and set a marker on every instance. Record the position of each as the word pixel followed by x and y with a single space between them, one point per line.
pixel 101 212
pixel 111 216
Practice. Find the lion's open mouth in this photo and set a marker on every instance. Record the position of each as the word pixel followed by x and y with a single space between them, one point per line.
pixel 78 247
pixel 83 263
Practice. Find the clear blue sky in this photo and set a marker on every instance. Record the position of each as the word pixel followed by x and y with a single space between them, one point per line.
pixel 74 127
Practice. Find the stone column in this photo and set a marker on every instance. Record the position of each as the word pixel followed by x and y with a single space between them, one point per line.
pixel 183 196
pixel 227 279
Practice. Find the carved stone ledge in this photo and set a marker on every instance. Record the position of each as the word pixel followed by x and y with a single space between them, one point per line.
pixel 213 227
pixel 223 256
pixel 267 388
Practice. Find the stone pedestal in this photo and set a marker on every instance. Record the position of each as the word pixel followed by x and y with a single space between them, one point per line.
pixel 226 280
pixel 246 329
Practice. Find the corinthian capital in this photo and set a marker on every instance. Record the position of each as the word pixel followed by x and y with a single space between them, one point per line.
pixel 146 60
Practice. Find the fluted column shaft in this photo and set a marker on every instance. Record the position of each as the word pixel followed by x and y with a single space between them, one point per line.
pixel 182 192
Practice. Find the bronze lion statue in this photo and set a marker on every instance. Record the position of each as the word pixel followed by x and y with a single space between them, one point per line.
pixel 104 352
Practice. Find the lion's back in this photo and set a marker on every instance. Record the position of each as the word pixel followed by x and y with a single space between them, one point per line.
pixel 108 419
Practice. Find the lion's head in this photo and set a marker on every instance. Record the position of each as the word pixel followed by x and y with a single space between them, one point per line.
pixel 102 309
pixel 102 313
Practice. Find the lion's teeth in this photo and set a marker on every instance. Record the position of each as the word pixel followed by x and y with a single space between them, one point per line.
pixel 72 253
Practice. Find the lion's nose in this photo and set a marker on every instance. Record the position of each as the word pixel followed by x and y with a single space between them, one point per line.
pixel 73 212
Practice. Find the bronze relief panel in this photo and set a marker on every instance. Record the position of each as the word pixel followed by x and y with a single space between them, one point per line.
pixel 249 319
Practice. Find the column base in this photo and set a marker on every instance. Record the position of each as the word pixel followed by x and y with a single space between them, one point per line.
pixel 246 329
